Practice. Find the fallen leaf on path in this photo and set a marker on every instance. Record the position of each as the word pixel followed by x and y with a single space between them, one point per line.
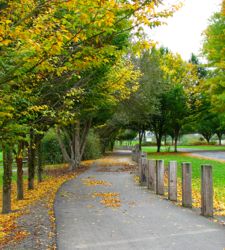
pixel 93 182
pixel 10 232
pixel 109 199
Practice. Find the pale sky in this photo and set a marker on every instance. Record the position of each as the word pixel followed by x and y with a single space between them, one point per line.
pixel 184 29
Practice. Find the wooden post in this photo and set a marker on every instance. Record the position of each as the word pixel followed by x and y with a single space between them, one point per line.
pixel 206 190
pixel 172 181
pixel 151 178
pixel 144 154
pixel 142 164
pixel 160 177
pixel 143 171
pixel 147 174
pixel 186 184
pixel 139 166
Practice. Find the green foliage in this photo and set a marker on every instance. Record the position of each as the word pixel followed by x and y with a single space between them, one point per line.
pixel 214 50
pixel 93 146
pixel 144 103
pixel 127 134
pixel 51 152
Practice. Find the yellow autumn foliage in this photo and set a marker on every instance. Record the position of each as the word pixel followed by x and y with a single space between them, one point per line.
pixel 109 199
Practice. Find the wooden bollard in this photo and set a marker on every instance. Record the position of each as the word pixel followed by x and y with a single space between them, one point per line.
pixel 144 154
pixel 160 177
pixel 172 181
pixel 147 173
pixel 139 167
pixel 206 190
pixel 143 171
pixel 186 184
pixel 151 178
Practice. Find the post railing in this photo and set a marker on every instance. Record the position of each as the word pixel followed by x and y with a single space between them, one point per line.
pixel 151 173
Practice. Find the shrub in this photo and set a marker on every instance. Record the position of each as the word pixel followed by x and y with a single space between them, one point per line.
pixel 93 146
pixel 51 152
pixel 203 143
pixel 149 143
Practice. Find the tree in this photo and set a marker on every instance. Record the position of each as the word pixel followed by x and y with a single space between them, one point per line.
pixel 219 126
pixel 161 102
pixel 139 109
pixel 183 95
pixel 76 118
pixel 43 66
pixel 177 111
pixel 213 49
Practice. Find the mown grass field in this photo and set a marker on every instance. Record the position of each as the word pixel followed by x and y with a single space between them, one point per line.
pixel 171 148
pixel 204 147
pixel 218 173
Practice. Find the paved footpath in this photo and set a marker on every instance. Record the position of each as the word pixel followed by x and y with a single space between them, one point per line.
pixel 214 155
pixel 143 221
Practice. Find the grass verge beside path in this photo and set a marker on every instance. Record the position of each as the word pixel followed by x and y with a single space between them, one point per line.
pixel 205 147
pixel 152 149
pixel 218 177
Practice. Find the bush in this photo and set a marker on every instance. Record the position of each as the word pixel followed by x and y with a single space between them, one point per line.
pixel 93 146
pixel 51 152
pixel 149 143
pixel 203 143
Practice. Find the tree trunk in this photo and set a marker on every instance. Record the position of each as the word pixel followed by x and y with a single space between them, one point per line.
pixel 172 138
pixel 219 135
pixel 175 143
pixel 207 136
pixel 65 154
pixel 7 178
pixel 139 140
pixel 77 156
pixel 19 164
pixel 207 139
pixel 84 135
pixel 140 137
pixel 77 143
pixel 158 141
pixel 39 162
pixel 144 136
pixel 176 136
pixel 112 145
pixel 31 161
pixel 38 138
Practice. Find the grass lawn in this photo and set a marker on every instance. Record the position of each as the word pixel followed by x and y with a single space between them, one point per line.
pixel 171 148
pixel 218 172
pixel 204 147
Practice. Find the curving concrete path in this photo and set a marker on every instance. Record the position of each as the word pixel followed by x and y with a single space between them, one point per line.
pixel 213 154
pixel 143 221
